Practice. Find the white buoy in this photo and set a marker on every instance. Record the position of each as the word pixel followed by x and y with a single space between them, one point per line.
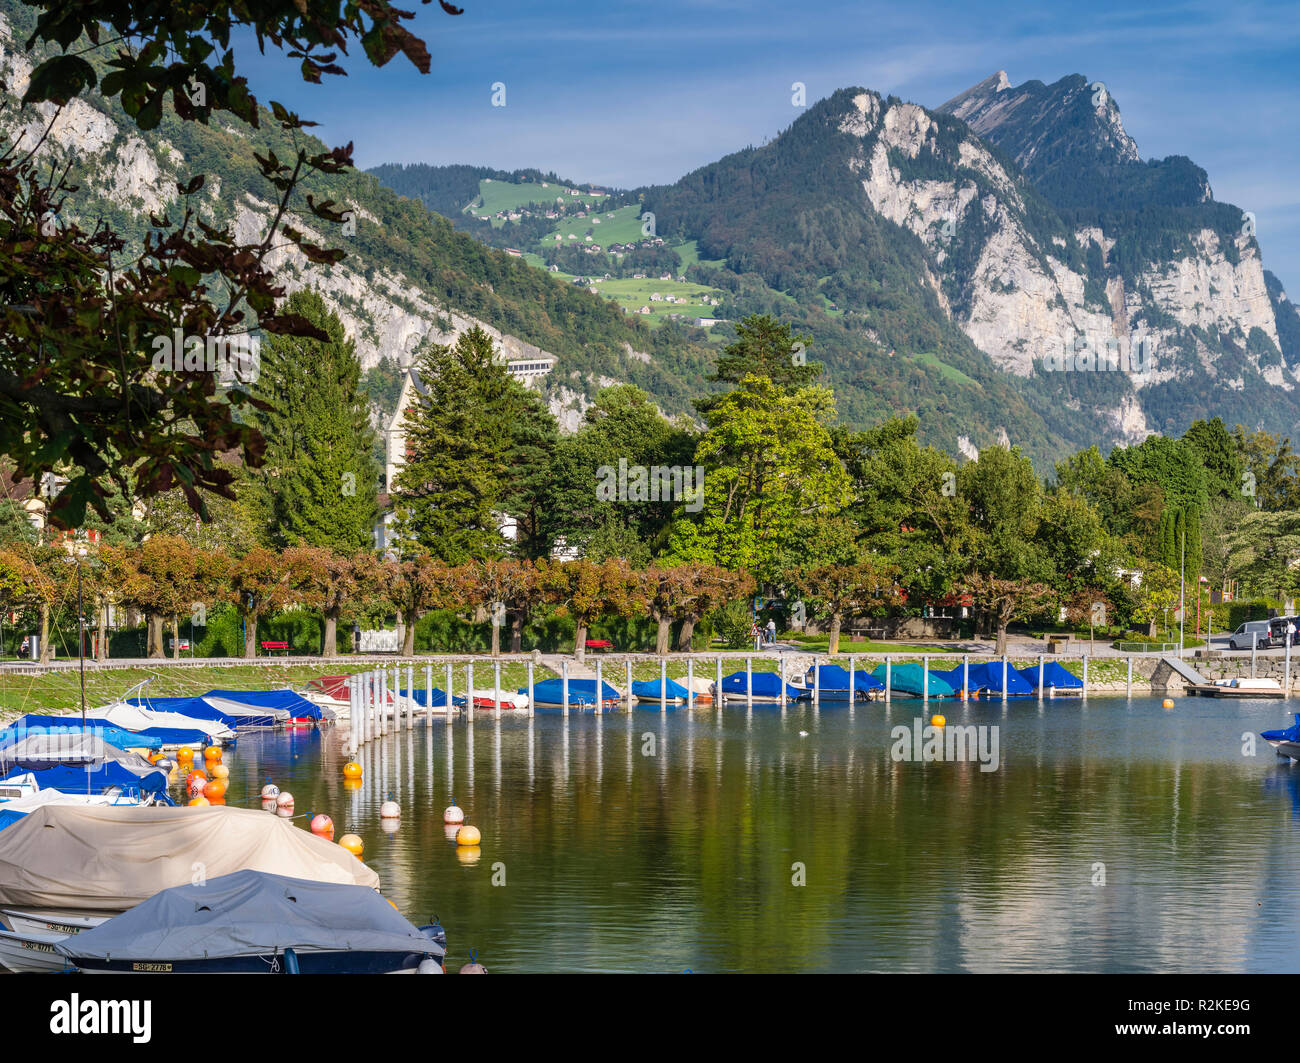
pixel 429 966
pixel 270 791
pixel 390 810
pixel 453 814
pixel 284 801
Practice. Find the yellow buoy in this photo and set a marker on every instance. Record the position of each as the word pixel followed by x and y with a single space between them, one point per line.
pixel 200 800
pixel 185 755
pixel 212 753
pixel 468 835
pixel 351 770
pixel 352 844
pixel 1168 703
pixel 937 720
pixel 220 771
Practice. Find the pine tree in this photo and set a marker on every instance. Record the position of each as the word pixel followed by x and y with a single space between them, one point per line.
pixel 320 481
pixel 458 443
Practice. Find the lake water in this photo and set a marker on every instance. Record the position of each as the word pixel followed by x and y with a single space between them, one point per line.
pixel 1113 836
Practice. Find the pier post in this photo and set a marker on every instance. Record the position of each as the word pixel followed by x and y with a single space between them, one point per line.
pixel 817 683
pixel 628 692
pixel 690 682
pixel 564 685
pixel 496 679
pixel 352 716
pixel 450 707
pixel 1085 675
pixel 888 669
pixel 853 690
pixel 925 678
pixel 1286 670
pixel 383 702
pixel 717 687
pixel 1004 677
pixel 1254 646
pixel 1040 677
pixel 410 693
pixel 965 677
pixel 663 684
pixel 1129 687
pixel 469 689
pixel 428 694
pixel 749 682
pixel 600 686
pixel 530 688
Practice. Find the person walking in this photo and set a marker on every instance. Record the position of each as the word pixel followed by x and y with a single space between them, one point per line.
pixel 771 631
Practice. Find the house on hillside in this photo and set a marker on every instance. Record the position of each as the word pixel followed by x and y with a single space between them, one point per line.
pixel 644 310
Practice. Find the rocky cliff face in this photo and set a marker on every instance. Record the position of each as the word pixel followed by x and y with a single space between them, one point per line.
pixel 1041 297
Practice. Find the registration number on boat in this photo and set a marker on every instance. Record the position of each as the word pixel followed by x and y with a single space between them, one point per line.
pixel 164 968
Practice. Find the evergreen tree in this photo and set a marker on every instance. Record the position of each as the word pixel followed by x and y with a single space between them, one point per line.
pixel 320 480
pixel 764 347
pixel 458 442
pixel 534 435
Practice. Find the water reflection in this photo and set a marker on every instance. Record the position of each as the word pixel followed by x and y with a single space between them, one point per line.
pixel 1116 837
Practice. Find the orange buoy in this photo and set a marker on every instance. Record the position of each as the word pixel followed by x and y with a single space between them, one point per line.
pixel 200 800
pixel 322 824
pixel 216 788
pixel 468 835
pixel 351 770
pixel 185 755
pixel 155 757
pixel 352 844
pixel 220 771
pixel 212 753
pixel 938 720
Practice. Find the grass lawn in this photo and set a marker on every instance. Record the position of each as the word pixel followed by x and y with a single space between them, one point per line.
pixel 623 228
pixel 57 692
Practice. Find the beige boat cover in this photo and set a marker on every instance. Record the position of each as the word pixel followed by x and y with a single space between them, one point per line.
pixel 108 859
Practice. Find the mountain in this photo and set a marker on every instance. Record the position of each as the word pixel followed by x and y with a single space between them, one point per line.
pixel 954 261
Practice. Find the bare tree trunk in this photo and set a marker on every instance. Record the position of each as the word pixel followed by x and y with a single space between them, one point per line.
pixel 662 635
pixel 580 642
pixel 517 632
pixel 176 639
pixel 101 634
pixel 45 633
pixel 408 639
pixel 250 635
pixel 330 645
pixel 686 635
pixel 153 636
pixel 833 645
pixel 496 638
pixel 1002 639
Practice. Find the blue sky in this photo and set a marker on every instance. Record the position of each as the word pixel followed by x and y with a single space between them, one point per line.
pixel 633 93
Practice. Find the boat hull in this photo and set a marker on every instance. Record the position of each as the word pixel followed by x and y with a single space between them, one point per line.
pixel 308 963
pixel 31 953
pixel 35 921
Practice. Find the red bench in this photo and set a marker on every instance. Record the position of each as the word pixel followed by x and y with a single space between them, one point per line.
pixel 273 647
pixel 604 645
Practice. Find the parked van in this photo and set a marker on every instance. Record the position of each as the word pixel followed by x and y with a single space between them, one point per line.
pixel 1277 629
pixel 1253 632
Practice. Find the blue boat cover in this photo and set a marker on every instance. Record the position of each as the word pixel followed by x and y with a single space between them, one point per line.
pixel 581 692
pixel 833 677
pixel 299 707
pixel 114 736
pixel 252 913
pixel 194 708
pixel 987 675
pixel 98 778
pixel 1290 734
pixel 649 690
pixel 1054 675
pixel 910 679
pixel 168 736
pixel 421 697
pixel 765 685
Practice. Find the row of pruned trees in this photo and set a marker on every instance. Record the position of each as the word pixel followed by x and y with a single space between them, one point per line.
pixel 170 582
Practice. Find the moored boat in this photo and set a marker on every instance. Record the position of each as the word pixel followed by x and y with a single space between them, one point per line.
pixel 32 952
pixel 765 688
pixel 257 923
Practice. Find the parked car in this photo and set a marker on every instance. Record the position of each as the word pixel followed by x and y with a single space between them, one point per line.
pixel 1253 632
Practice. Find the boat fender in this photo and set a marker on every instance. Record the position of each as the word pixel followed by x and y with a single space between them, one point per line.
pixel 473 967
pixel 453 814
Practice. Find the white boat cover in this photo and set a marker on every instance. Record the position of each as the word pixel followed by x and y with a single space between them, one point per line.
pixel 26 805
pixel 106 859
pixel 134 718
pixel 251 914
